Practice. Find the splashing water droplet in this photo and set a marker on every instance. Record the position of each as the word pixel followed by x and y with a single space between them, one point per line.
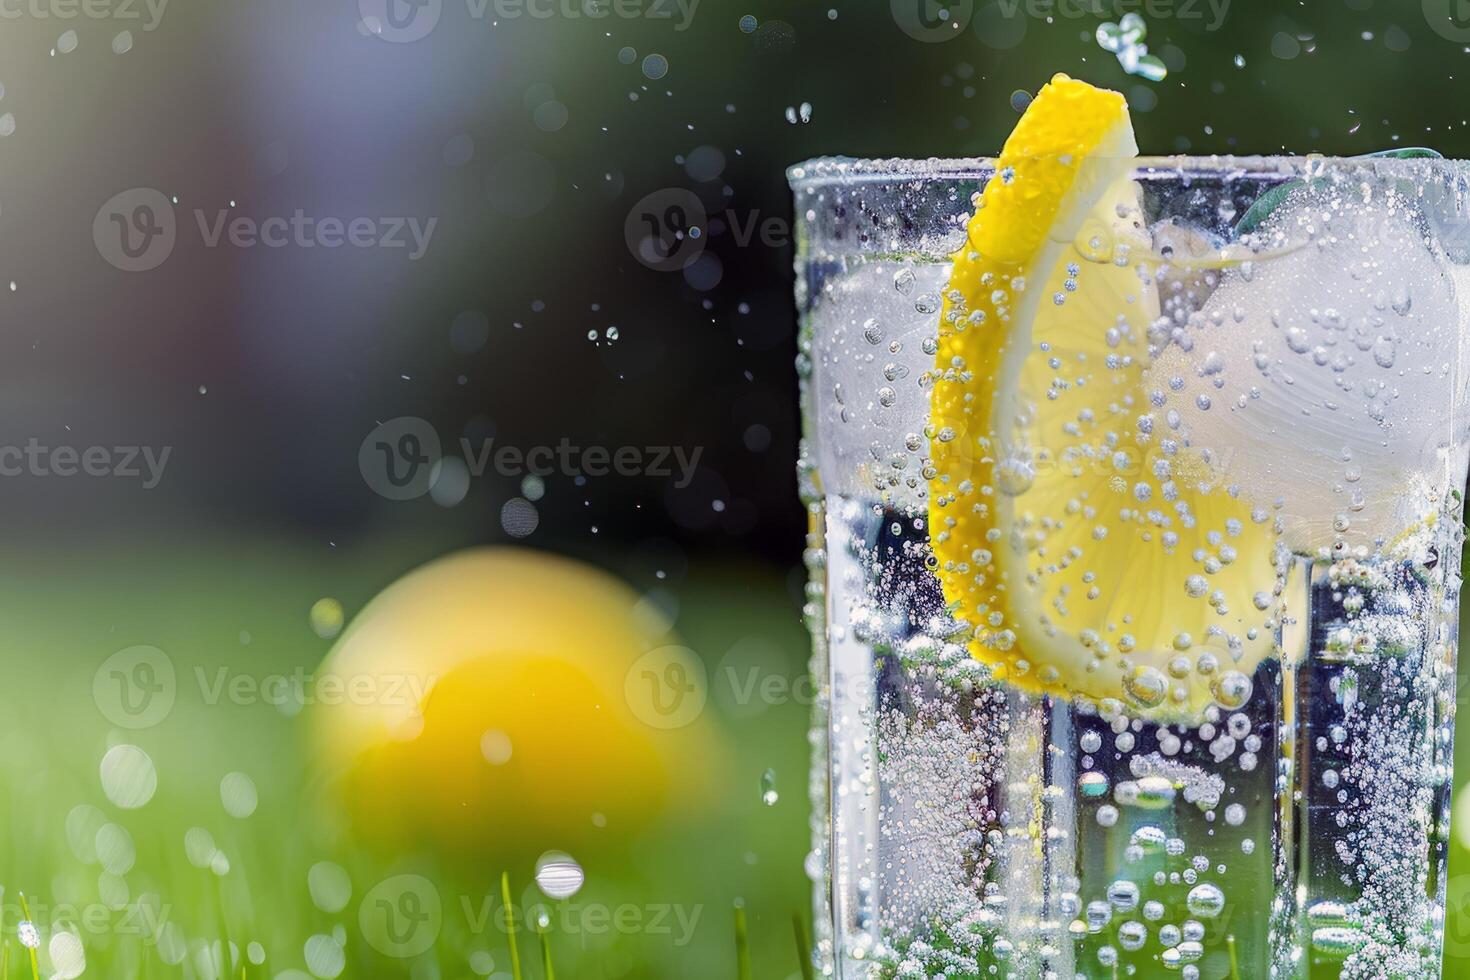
pixel 558 876
pixel 769 795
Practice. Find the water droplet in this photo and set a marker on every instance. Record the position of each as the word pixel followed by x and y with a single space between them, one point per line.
pixel 769 795
pixel 655 66
pixel 238 795
pixel 558 876
pixel 329 885
pixel 326 618
pixel 128 777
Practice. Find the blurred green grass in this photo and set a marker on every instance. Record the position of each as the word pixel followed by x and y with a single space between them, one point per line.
pixel 663 907
pixel 64 615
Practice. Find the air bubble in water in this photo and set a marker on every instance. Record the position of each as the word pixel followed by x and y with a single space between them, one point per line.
pixel 1154 793
pixel 1123 895
pixel 1147 686
pixel 769 795
pixel 1232 689
pixel 1132 935
pixel 1205 901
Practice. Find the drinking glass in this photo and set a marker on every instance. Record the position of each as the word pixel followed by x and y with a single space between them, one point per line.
pixel 1306 343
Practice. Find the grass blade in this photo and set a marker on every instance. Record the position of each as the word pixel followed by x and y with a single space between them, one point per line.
pixel 25 908
pixel 803 945
pixel 510 926
pixel 546 953
pixel 742 942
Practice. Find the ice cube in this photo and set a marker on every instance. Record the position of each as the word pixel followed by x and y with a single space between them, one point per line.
pixel 1322 377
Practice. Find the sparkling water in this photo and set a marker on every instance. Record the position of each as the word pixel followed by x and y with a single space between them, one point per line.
pixel 1296 826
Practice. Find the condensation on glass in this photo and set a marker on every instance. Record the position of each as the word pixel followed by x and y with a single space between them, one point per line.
pixel 1309 333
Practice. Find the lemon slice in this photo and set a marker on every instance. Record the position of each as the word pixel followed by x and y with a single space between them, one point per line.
pixel 1089 553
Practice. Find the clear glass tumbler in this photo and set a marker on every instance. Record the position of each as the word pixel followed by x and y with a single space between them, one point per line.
pixel 1264 383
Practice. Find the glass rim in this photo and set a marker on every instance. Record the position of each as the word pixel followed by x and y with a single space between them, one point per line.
pixel 836 171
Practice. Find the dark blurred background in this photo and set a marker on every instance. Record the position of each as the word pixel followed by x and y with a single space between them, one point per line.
pixel 530 139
